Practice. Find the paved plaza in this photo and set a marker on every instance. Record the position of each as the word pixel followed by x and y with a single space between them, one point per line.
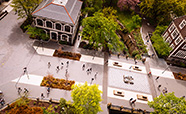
pixel 140 80
pixel 18 51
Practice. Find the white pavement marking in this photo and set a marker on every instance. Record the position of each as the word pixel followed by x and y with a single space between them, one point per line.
pixel 128 95
pixel 36 80
pixel 158 72
pixel 44 51
pixel 87 58
pixel 32 80
pixel 126 66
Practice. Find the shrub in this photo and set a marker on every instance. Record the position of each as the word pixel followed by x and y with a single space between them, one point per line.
pixel 134 53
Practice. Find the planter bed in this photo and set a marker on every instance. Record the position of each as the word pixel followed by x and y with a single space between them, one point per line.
pixel 68 55
pixel 50 81
pixel 179 76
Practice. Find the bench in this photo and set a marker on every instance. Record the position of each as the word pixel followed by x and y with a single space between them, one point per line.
pixel 118 93
pixel 142 97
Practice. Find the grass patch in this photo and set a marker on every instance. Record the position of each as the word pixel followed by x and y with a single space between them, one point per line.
pixel 125 17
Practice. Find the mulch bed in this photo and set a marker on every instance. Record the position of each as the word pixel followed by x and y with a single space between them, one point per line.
pixel 50 81
pixel 32 107
pixel 68 55
pixel 179 76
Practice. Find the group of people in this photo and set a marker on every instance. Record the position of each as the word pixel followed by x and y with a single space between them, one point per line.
pixel 19 90
pixel 58 67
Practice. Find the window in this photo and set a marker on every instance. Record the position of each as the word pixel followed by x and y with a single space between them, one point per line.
pixel 165 35
pixel 172 46
pixel 39 22
pixel 178 40
pixel 182 24
pixel 58 26
pixel 181 54
pixel 67 28
pixel 172 27
pixel 49 24
pixel 168 40
pixel 65 38
pixel 174 34
pixel 184 47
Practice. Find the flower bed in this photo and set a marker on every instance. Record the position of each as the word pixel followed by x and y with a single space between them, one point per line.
pixel 50 81
pixel 68 55
pixel 179 76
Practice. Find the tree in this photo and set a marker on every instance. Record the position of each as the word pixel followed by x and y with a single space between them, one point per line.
pixel 168 104
pixel 162 48
pixel 160 10
pixel 37 33
pixel 86 98
pixel 127 4
pixel 101 33
pixel 24 8
pixel 92 6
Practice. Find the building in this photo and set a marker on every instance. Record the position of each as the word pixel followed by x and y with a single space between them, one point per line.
pixel 175 36
pixel 58 18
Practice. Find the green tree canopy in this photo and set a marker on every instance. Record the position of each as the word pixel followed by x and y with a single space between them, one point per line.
pixel 160 10
pixel 162 48
pixel 101 32
pixel 37 33
pixel 92 6
pixel 168 104
pixel 24 8
pixel 86 98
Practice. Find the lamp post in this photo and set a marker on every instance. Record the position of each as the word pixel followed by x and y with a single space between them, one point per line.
pixel 166 68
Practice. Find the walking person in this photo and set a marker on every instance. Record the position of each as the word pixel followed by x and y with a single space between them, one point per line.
pixel 25 91
pixel 61 65
pixel 135 62
pixel 130 99
pixel 83 67
pixel 118 55
pixel 95 75
pixel 25 72
pixel 88 70
pixel 42 96
pixel 49 65
pixel 159 87
pixel 19 90
pixel 127 56
pixel 57 69
pixel 48 91
pixel 67 63
pixel 157 78
pixel 133 101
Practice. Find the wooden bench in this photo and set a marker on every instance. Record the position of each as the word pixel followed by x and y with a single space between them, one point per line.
pixel 136 68
pixel 118 93
pixel 142 97
pixel 117 64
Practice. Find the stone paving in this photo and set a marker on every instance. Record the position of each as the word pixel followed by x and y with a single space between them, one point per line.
pixel 140 80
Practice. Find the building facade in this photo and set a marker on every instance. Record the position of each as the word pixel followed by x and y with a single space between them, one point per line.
pixel 175 36
pixel 58 18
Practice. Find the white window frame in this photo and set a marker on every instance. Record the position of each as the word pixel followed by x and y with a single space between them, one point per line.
pixel 172 27
pixel 63 39
pixel 41 20
pixel 165 35
pixel 178 40
pixel 49 21
pixel 175 31
pixel 182 24
pixel 168 40
pixel 65 26
pixel 60 24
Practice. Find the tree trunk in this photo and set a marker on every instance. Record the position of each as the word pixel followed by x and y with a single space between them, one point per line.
pixel 105 76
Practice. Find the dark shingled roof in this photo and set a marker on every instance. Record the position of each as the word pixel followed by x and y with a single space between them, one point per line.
pixel 177 22
pixel 67 13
